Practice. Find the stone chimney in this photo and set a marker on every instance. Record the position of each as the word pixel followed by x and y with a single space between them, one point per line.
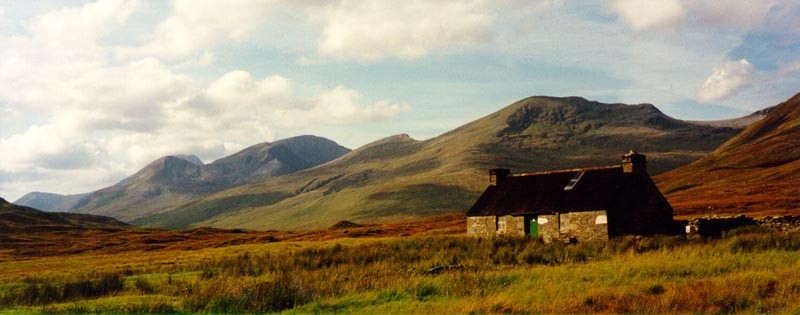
pixel 498 176
pixel 633 162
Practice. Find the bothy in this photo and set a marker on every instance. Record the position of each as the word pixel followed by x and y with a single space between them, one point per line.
pixel 588 204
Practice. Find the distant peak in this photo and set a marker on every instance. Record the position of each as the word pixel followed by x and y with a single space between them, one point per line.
pixel 650 107
pixel 403 137
pixel 304 139
pixel 3 200
pixel 191 158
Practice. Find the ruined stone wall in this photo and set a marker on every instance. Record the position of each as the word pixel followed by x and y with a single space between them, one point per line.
pixel 781 223
pixel 484 226
pixel 714 225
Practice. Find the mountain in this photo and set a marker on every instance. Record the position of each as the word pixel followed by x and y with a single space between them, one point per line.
pixel 400 178
pixel 191 158
pixel 49 202
pixel 63 203
pixel 171 181
pixel 20 218
pixel 757 172
pixel 740 122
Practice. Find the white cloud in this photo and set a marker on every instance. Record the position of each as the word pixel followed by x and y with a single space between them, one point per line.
pixel 39 69
pixel 43 147
pixel 4 22
pixel 237 98
pixel 648 14
pixel 199 25
pixel 99 118
pixel 340 105
pixel 725 80
pixel 239 89
pixel 86 23
pixel 731 13
pixel 372 30
pixel 121 118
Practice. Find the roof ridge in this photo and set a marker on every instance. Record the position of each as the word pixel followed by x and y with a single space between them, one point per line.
pixel 567 170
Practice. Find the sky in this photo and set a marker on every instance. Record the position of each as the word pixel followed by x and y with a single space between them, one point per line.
pixel 92 91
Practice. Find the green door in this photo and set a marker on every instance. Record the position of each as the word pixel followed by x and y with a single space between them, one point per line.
pixel 534 227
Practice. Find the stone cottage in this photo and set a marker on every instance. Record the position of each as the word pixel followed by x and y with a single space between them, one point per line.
pixel 588 204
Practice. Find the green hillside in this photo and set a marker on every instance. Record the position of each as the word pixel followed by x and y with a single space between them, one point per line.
pixel 400 178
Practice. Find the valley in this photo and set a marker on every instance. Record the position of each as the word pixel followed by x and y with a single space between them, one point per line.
pixel 399 178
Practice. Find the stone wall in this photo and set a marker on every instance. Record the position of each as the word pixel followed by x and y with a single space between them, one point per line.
pixel 514 226
pixel 481 226
pixel 590 226
pixel 785 223
pixel 715 225
pixel 581 226
pixel 548 227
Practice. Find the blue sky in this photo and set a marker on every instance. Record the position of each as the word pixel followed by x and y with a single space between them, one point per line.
pixel 91 91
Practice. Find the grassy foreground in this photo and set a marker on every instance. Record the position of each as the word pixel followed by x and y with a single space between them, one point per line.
pixel 747 271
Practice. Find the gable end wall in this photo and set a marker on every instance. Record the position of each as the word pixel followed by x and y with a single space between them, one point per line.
pixel 481 226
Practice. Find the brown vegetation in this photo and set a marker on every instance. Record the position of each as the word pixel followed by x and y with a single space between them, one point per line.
pixel 755 173
pixel 744 271
pixel 109 240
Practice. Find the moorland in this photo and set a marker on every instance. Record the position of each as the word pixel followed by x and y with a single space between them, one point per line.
pixel 436 270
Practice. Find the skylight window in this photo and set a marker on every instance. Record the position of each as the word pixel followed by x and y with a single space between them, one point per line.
pixel 574 180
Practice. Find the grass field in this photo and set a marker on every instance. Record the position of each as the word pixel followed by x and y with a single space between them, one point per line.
pixel 747 271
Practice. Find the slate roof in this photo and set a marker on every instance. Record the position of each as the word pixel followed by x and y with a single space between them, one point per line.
pixel 544 192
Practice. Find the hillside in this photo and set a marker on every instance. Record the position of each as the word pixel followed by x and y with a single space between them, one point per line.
pixel 171 181
pixel 740 122
pixel 20 218
pixel 757 172
pixel 399 178
pixel 49 202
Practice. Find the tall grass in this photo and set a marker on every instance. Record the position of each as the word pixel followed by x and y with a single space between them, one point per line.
pixel 42 292
pixel 743 271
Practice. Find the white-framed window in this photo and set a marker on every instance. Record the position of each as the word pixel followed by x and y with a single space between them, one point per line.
pixel 501 224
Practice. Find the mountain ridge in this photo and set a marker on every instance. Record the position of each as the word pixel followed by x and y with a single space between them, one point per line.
pixel 49 202
pixel 173 180
pixel 399 178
